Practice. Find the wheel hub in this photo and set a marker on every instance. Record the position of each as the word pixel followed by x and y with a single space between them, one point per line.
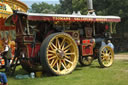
pixel 106 56
pixel 60 54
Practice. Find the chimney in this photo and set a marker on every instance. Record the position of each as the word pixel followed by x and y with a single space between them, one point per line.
pixel 90 4
pixel 90 8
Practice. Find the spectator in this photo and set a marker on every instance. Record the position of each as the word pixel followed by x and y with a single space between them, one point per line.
pixel 103 43
pixel 110 44
pixel 1 44
pixel 1 49
pixel 3 79
pixel 7 56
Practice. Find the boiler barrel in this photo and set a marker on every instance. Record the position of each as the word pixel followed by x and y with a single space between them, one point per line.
pixel 98 42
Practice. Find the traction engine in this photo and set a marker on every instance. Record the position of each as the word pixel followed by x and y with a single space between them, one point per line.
pixel 56 42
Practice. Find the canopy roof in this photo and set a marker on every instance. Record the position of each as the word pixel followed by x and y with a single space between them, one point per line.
pixel 70 17
pixel 67 17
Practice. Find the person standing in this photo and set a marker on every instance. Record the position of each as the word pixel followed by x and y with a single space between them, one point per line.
pixel 7 56
pixel 110 44
pixel 103 43
pixel 1 50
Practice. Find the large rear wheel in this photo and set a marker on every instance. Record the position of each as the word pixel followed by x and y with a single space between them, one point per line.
pixel 59 54
pixel 106 56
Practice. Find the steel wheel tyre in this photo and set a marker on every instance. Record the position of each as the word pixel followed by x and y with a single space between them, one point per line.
pixel 85 60
pixel 59 54
pixel 106 56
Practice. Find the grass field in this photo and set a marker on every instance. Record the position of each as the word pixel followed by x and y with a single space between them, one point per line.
pixel 122 53
pixel 117 74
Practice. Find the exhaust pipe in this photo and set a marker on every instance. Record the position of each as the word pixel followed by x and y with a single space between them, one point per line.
pixel 90 4
pixel 90 8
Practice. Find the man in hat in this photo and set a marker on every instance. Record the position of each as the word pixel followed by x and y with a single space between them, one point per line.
pixel 110 44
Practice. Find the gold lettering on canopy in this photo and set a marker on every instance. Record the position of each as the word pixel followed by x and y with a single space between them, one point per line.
pixel 61 18
pixel 83 19
pixel 101 19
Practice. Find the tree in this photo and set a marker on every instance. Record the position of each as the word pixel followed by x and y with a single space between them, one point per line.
pixel 80 5
pixel 66 6
pixel 43 8
pixel 111 7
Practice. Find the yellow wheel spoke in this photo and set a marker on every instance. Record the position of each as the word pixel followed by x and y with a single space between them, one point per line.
pixel 59 46
pixel 63 66
pixel 58 66
pixel 108 59
pixel 50 54
pixel 102 55
pixel 64 62
pixel 66 50
pixel 107 62
pixel 67 46
pixel 103 59
pixel 52 57
pixel 104 63
pixel 53 45
pixel 106 51
pixel 56 41
pixel 110 56
pixel 69 53
pixel 69 61
pixel 63 47
pixel 54 63
pixel 62 43
pixel 52 51
pixel 109 53
pixel 67 57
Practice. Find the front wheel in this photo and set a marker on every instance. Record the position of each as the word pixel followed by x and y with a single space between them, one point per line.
pixel 59 54
pixel 85 60
pixel 106 56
